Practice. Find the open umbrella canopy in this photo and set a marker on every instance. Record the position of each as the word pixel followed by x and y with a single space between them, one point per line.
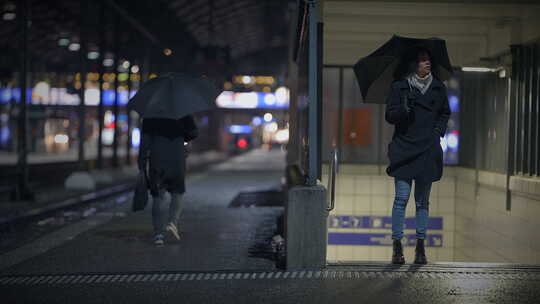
pixel 174 96
pixel 376 72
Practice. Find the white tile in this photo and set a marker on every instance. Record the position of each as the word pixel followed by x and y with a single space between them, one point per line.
pixel 331 252
pixel 447 188
pixel 446 205
pixel 379 186
pixel 345 204
pixel 345 253
pixel 362 185
pixel 448 239
pixel 449 222
pixel 380 203
pixel 361 253
pixel 345 184
pixel 445 255
pixel 381 253
pixel 362 204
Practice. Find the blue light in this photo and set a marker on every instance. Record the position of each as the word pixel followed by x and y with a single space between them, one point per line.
pixel 453 141
pixel 257 121
pixel 5 95
pixel 4 134
pixel 454 103
pixel 239 129
pixel 136 137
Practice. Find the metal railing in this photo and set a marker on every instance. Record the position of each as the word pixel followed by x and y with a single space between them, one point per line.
pixel 331 197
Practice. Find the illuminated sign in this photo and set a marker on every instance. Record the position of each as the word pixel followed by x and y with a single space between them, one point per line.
pixel 251 100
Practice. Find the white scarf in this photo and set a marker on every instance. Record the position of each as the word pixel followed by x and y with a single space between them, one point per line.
pixel 420 83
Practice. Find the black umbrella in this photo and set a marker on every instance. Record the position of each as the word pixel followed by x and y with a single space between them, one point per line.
pixel 174 96
pixel 376 72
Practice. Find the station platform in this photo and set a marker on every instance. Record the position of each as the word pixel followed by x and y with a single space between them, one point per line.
pixel 224 257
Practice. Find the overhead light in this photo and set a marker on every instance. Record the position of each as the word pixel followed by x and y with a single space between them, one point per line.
pixel 125 64
pixel 167 52
pixel 135 69
pixel 74 47
pixel 477 69
pixel 93 55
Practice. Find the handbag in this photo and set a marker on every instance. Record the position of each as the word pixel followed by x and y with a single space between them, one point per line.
pixel 140 195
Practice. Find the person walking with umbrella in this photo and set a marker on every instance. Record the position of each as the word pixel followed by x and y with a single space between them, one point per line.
pixel 417 105
pixel 166 105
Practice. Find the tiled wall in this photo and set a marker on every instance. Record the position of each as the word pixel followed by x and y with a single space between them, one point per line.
pixel 362 191
pixel 476 225
pixel 485 230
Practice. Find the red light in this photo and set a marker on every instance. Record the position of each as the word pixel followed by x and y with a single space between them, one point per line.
pixel 110 126
pixel 242 143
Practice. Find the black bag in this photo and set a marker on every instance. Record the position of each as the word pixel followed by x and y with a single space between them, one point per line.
pixel 140 195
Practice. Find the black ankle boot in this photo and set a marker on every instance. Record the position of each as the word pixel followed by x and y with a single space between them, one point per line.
pixel 420 256
pixel 397 256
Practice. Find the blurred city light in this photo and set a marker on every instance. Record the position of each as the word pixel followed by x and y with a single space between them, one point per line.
pixel 270 99
pixel 239 129
pixel 453 141
pixel 61 139
pixel 282 136
pixel 167 52
pixel 9 16
pixel 268 117
pixel 257 121
pixel 41 92
pixel 271 127
pixel 63 42
pixel 74 47
pixel 135 69
pixel 242 143
pixel 282 95
pixel 453 103
pixel 108 62
pixel 135 137
pixel 93 55
pixel 246 79
pixel 125 64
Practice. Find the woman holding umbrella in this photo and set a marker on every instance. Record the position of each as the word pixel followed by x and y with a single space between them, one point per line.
pixel 418 107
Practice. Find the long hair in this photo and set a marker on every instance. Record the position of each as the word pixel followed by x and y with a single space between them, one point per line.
pixel 409 62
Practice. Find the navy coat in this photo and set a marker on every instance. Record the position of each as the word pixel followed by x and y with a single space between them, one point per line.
pixel 415 151
pixel 162 142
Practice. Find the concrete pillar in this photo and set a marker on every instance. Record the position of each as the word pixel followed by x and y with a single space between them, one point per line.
pixel 306 230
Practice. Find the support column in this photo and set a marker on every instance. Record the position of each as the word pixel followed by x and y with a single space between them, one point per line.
pixel 306 228
pixel 82 68
pixel 128 114
pixel 100 82
pixel 22 191
pixel 116 99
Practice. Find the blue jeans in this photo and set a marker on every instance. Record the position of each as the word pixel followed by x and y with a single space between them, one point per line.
pixel 421 196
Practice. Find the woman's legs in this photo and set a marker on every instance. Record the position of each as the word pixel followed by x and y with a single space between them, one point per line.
pixel 421 196
pixel 403 191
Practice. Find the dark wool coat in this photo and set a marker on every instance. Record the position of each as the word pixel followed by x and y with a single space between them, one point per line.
pixel 162 142
pixel 415 151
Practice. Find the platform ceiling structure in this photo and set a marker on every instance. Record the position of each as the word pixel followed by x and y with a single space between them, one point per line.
pixel 475 31
pixel 246 36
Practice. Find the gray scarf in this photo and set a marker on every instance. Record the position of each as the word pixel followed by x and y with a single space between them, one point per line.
pixel 421 84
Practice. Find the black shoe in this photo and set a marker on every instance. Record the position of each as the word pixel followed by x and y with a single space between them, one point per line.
pixel 420 256
pixel 397 256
